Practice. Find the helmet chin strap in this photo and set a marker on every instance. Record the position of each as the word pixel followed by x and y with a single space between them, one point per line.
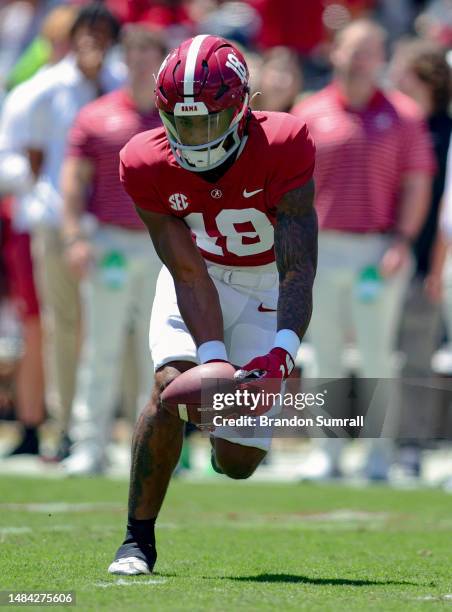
pixel 201 158
pixel 206 159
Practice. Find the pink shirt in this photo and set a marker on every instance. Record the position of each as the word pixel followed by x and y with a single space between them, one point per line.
pixel 363 156
pixel 100 131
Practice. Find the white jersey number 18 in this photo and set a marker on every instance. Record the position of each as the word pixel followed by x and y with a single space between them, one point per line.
pixel 244 232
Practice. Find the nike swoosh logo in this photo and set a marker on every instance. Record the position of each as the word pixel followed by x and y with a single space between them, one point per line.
pixel 262 308
pixel 249 194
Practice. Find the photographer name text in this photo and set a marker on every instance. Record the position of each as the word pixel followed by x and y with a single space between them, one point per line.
pixel 294 421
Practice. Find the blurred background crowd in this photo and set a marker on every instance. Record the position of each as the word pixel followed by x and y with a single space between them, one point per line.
pixel 371 78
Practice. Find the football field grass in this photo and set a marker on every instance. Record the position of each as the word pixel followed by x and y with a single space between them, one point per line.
pixel 232 546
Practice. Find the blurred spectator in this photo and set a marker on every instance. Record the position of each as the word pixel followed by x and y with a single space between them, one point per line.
pixel 306 26
pixel 396 17
pixel 435 23
pixel 173 17
pixel 21 326
pixel 43 111
pixel 116 263
pixel 237 21
pixel 296 23
pixel 373 175
pixel 442 269
pixel 420 70
pixel 11 344
pixel 158 12
pixel 16 178
pixel 279 80
pixel 46 49
pixel 20 22
pixel 20 341
pixel 442 261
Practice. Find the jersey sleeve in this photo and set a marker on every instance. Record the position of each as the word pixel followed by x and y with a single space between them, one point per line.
pixel 136 178
pixel 293 160
pixel 80 141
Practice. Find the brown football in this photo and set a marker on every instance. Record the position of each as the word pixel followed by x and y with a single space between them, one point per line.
pixel 190 395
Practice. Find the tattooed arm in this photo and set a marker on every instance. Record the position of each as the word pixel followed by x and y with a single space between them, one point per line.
pixel 296 257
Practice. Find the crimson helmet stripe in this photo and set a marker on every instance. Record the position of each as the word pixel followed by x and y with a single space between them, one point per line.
pixel 190 65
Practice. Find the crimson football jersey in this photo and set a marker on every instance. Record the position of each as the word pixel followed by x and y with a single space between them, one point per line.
pixel 233 219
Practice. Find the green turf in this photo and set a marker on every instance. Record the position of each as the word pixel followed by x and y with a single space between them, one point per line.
pixel 233 546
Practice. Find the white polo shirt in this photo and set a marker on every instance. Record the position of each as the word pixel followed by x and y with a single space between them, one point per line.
pixel 15 172
pixel 38 115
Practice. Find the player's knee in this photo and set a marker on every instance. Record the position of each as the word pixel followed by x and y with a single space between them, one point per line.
pixel 237 461
pixel 168 372
pixel 162 378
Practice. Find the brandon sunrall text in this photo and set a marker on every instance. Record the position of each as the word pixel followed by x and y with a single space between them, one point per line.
pixel 265 420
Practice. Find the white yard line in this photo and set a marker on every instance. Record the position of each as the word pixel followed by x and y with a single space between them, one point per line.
pixel 58 507
pixel 13 530
pixel 447 597
pixel 129 582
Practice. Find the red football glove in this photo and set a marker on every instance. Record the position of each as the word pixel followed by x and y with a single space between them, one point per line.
pixel 277 364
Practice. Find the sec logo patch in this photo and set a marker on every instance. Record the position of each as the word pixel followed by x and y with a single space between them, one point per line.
pixel 178 201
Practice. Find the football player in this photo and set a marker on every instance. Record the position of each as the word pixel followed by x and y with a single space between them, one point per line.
pixel 227 196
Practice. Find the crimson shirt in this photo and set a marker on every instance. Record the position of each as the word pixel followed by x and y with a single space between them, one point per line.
pixel 292 23
pixel 362 157
pixel 301 24
pixel 99 132
pixel 232 219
